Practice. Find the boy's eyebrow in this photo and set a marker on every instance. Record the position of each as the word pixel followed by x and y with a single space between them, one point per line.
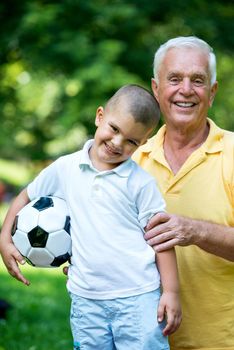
pixel 114 125
pixel 117 127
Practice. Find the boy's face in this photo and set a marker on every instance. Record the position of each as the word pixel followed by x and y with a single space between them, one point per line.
pixel 117 137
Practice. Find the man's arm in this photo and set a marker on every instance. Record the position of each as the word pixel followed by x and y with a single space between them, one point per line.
pixel 10 255
pixel 165 231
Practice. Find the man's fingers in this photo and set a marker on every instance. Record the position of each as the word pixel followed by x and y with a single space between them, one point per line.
pixel 157 219
pixel 164 246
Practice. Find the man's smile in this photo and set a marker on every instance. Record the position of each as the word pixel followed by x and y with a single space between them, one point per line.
pixel 184 104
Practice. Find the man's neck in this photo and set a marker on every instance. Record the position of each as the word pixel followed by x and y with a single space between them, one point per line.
pixel 179 145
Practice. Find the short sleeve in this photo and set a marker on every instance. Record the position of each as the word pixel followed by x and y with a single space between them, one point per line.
pixel 46 183
pixel 149 202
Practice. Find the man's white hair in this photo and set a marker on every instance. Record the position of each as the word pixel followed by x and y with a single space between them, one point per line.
pixel 185 41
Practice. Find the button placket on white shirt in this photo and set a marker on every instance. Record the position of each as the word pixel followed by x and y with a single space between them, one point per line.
pixel 97 186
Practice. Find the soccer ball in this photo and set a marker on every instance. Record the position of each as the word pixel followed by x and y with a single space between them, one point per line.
pixel 41 232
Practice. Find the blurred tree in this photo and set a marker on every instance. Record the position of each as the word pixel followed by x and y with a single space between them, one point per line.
pixel 60 60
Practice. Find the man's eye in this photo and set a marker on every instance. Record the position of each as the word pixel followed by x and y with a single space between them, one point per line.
pixel 174 80
pixel 198 82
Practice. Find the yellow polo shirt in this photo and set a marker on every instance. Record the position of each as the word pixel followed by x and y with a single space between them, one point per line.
pixel 200 190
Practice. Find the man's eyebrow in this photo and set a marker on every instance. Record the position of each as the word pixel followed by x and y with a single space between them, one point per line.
pixel 174 72
pixel 199 75
pixel 191 74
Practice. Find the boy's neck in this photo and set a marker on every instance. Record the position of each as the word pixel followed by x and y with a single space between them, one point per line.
pixel 101 166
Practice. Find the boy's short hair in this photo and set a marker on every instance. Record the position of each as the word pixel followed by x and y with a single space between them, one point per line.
pixel 139 102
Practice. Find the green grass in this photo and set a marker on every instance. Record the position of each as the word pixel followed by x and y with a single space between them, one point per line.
pixel 39 318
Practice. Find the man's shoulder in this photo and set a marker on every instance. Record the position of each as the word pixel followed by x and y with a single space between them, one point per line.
pixel 228 136
pixel 149 145
pixel 143 150
pixel 219 133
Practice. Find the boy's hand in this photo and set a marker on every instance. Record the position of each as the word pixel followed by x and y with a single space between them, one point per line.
pixel 65 270
pixel 11 257
pixel 169 307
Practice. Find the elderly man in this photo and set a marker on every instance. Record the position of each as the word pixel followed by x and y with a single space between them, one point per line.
pixel 192 160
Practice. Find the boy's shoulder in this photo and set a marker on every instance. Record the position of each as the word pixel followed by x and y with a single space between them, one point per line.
pixel 77 156
pixel 70 157
pixel 139 173
pixel 139 180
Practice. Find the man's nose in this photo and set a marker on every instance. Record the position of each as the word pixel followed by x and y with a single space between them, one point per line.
pixel 186 87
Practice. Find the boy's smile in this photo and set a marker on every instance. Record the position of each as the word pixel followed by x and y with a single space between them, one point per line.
pixel 117 137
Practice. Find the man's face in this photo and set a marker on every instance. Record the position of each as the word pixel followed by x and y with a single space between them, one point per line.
pixel 184 91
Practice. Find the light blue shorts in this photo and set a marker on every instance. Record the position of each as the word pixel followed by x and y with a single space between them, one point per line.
pixel 117 324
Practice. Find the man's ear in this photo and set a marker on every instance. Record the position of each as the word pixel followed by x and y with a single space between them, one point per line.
pixel 99 115
pixel 154 87
pixel 213 91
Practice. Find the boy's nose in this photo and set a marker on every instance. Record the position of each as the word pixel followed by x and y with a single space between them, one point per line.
pixel 117 141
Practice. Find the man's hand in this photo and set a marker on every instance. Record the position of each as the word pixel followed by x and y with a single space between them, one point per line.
pixel 165 231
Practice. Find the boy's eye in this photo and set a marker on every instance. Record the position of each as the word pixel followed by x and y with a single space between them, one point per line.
pixel 132 142
pixel 113 128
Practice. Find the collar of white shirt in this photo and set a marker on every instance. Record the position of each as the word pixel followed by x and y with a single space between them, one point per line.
pixel 123 170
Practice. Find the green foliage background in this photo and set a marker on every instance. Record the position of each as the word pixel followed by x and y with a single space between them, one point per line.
pixel 59 60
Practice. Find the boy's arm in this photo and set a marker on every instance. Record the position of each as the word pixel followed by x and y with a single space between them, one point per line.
pixel 150 201
pixel 169 304
pixel 10 255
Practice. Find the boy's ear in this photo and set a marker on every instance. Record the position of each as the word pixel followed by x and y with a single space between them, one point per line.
pixel 99 115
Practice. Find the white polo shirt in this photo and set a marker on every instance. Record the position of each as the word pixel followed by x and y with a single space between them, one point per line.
pixel 109 210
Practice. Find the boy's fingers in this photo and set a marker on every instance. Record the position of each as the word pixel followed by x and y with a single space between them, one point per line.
pixel 65 270
pixel 21 278
pixel 160 313
pixel 170 326
pixel 18 257
pixel 15 272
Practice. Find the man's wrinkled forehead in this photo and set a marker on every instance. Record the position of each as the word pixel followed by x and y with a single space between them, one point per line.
pixel 175 60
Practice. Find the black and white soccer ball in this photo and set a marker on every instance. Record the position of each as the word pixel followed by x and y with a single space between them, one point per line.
pixel 41 232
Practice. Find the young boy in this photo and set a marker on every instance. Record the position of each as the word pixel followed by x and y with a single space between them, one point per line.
pixel 113 281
